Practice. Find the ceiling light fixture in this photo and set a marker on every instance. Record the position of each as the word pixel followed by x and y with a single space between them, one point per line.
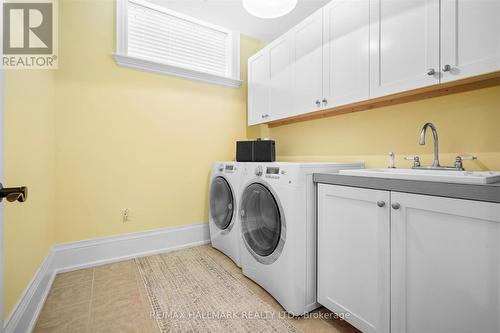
pixel 269 8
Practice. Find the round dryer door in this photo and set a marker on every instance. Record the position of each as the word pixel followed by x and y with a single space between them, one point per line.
pixel 261 222
pixel 221 203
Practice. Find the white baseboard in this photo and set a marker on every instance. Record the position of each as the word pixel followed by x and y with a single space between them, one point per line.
pixel 25 312
pixel 77 255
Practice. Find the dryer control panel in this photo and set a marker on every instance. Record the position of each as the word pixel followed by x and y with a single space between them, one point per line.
pixel 274 172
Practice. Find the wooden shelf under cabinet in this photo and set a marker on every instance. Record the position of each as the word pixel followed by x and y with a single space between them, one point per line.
pixel 471 83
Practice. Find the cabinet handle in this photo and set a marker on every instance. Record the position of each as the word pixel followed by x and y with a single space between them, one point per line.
pixel 447 68
pixel 325 102
pixel 318 103
pixel 396 206
pixel 381 203
pixel 431 72
pixel 265 116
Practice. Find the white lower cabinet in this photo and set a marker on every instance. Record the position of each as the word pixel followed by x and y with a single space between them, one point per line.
pixel 353 255
pixel 445 265
pixel 443 261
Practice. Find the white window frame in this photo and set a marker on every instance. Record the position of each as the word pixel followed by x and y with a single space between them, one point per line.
pixel 123 59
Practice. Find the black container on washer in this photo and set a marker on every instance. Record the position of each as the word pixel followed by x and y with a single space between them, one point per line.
pixel 256 151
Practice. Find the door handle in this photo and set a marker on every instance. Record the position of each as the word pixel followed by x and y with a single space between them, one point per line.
pixel 12 194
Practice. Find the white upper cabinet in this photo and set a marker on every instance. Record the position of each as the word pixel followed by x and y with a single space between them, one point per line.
pixel 470 38
pixel 258 87
pixel 281 80
pixel 355 50
pixel 445 264
pixel 404 45
pixel 308 64
pixel 346 52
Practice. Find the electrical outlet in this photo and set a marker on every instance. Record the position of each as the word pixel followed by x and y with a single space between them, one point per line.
pixel 126 215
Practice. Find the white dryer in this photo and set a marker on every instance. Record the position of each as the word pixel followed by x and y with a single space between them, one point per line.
pixel 223 200
pixel 277 215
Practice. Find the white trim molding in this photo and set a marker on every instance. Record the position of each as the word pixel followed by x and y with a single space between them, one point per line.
pixel 88 253
pixel 124 59
pixel 23 317
pixel 155 67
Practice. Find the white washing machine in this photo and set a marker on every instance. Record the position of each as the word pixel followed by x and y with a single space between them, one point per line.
pixel 223 199
pixel 278 224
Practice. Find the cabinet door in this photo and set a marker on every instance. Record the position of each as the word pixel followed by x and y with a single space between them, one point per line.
pixel 404 45
pixel 470 37
pixel 346 52
pixel 258 87
pixel 445 265
pixel 353 255
pixel 308 64
pixel 281 81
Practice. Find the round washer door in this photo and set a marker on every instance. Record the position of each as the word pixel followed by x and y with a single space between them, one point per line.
pixel 221 203
pixel 262 223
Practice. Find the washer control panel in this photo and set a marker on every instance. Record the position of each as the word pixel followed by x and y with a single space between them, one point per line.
pixel 227 168
pixel 274 172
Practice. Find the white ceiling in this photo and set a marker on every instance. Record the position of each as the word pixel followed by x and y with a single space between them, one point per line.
pixel 231 14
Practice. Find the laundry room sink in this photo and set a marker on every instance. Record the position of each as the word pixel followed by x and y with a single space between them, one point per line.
pixel 468 177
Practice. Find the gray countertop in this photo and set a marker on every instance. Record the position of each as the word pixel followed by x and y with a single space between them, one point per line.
pixel 486 192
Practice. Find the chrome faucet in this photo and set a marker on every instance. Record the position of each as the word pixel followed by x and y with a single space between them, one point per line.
pixel 436 165
pixel 436 142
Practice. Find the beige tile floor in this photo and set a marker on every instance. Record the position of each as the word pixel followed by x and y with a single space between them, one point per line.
pixel 112 298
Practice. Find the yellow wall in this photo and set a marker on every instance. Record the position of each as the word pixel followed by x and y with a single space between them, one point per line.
pixel 130 139
pixel 29 160
pixel 95 138
pixel 467 123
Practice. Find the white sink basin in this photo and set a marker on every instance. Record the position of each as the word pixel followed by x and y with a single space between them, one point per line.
pixel 469 177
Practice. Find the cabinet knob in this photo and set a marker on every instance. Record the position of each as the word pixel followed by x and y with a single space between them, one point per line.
pixel 325 101
pixel 318 103
pixel 446 68
pixel 431 72
pixel 265 116
pixel 381 203
pixel 396 206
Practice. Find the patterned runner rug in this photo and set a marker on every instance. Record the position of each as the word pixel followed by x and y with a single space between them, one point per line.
pixel 190 292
